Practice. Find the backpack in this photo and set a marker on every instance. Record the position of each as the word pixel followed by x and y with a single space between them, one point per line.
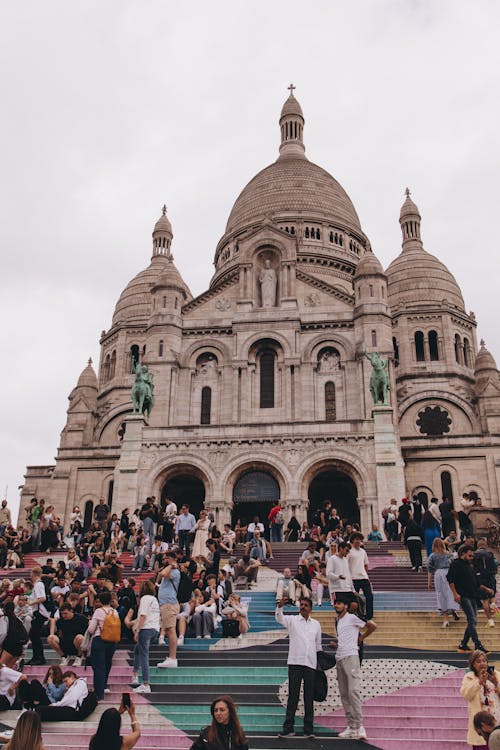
pixel 230 628
pixel 111 631
pixel 279 518
pixel 87 706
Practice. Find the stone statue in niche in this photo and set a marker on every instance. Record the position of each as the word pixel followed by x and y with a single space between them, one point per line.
pixel 268 283
pixel 207 367
pixel 329 361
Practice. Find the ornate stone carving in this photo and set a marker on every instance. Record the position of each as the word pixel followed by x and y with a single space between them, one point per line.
pixel 328 360
pixel 223 304
pixel 312 299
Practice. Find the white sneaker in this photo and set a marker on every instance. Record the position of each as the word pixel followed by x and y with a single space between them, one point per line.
pixel 361 734
pixel 142 689
pixel 207 636
pixel 348 733
pixel 491 624
pixel 180 640
pixel 107 691
pixel 161 640
pixel 445 624
pixel 78 661
pixel 64 661
pixel 168 663
pixel 135 681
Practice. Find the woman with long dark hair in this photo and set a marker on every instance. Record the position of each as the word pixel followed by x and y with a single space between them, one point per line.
pixel 146 629
pixel 225 732
pixel 28 733
pixel 108 735
pixel 16 638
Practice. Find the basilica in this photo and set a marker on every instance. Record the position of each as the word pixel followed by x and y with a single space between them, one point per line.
pixel 262 382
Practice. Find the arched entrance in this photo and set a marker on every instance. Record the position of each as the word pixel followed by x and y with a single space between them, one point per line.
pixel 340 489
pixel 254 494
pixel 184 488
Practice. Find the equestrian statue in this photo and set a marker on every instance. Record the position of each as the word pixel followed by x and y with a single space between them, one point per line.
pixel 379 380
pixel 142 391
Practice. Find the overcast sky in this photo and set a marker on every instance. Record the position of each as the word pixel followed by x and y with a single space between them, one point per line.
pixel 110 109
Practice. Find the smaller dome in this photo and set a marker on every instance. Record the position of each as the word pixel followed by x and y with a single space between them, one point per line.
pixel 369 265
pixel 170 277
pixel 88 378
pixel 291 107
pixel 484 361
pixel 163 224
pixel 409 208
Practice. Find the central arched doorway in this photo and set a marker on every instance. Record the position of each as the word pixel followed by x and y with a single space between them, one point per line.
pixel 184 489
pixel 340 489
pixel 254 494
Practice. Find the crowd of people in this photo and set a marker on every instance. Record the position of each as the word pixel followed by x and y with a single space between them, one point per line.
pixel 81 605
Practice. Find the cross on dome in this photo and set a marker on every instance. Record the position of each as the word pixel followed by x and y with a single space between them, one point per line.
pixel 291 89
pixel 407 192
pixel 164 209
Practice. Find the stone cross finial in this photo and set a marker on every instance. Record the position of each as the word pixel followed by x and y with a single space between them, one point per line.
pixel 481 343
pixel 164 209
pixel 407 192
pixel 90 361
pixel 291 88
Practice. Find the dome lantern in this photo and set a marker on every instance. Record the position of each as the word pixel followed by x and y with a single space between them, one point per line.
pixel 162 235
pixel 409 219
pixel 292 127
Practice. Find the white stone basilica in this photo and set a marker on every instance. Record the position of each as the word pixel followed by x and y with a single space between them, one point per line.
pixel 261 383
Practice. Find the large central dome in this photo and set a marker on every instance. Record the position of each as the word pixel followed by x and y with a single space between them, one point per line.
pixel 293 186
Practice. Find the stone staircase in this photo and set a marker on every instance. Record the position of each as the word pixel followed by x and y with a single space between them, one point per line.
pixel 411 675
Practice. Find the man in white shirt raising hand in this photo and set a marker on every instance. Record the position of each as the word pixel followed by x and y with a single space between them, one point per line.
pixel 305 642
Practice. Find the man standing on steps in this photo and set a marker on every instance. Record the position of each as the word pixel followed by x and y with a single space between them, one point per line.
pixel 351 632
pixel 358 568
pixel 466 591
pixel 305 642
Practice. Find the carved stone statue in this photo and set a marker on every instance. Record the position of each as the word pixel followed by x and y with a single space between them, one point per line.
pixel 268 281
pixel 142 391
pixel 208 367
pixel 329 361
pixel 379 381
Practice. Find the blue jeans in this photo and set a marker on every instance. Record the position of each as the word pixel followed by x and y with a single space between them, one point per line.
pixel 148 526
pixel 469 607
pixel 139 561
pixel 276 532
pixel 141 651
pixel 101 654
pixel 203 623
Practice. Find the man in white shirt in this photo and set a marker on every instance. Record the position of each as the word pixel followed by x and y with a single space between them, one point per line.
pixel 358 567
pixel 349 638
pixel 254 526
pixel 41 615
pixel 65 709
pixel 305 642
pixel 9 682
pixel 338 572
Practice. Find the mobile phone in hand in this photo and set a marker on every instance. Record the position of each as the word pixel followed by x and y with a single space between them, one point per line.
pixel 490 670
pixel 126 700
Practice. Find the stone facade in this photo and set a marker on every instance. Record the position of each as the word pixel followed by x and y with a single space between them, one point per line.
pixel 262 383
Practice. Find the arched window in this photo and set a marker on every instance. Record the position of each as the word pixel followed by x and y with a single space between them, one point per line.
pixel 433 346
pixel 467 357
pixel 370 287
pixel 396 351
pixel 267 379
pixel 206 404
pixel 88 514
pixel 110 492
pixel 330 412
pixel 134 357
pixel 374 337
pixel 318 234
pixel 419 346
pixel 160 348
pixel 307 232
pixel 112 365
pixel 105 369
pixel 458 349
pixel 446 486
pixel 164 300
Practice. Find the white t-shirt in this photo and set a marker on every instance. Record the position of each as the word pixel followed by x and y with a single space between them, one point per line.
pixel 357 560
pixel 8 677
pixel 348 628
pixel 37 593
pixel 149 606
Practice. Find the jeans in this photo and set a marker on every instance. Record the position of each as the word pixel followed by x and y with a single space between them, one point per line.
pixel 203 623
pixel 141 651
pixel 148 526
pixel 139 561
pixel 469 607
pixel 101 654
pixel 276 532
pixel 366 587
pixel 296 675
pixel 185 541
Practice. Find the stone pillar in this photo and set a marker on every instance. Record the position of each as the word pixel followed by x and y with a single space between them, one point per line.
pixel 126 490
pixel 388 459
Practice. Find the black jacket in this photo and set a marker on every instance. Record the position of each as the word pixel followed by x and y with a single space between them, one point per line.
pixel 225 741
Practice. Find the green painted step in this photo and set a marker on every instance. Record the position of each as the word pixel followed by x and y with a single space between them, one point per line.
pixel 215 679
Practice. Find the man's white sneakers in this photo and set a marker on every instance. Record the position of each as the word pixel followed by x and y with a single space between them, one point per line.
pixel 168 663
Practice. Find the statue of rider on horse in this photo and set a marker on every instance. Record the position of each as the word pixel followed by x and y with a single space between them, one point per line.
pixel 379 380
pixel 142 391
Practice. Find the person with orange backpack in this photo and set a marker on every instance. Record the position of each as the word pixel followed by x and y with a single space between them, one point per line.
pixel 105 627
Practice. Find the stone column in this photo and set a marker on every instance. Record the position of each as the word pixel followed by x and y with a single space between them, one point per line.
pixel 388 459
pixel 126 488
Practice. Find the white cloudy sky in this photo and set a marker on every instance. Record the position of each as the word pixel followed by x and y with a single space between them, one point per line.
pixel 110 109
